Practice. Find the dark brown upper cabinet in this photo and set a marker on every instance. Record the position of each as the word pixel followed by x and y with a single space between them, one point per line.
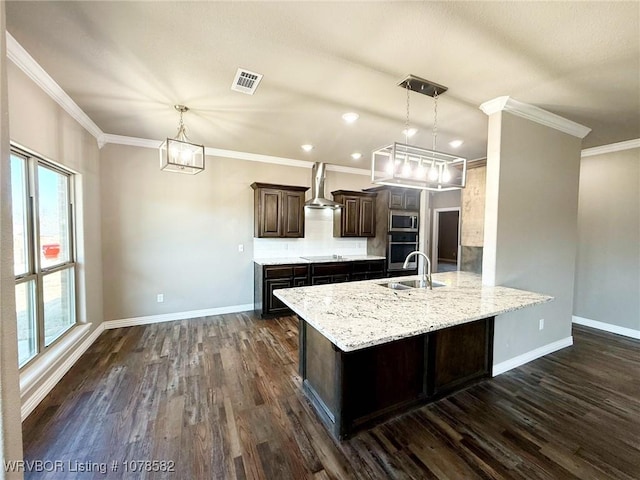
pixel 404 199
pixel 357 217
pixel 278 210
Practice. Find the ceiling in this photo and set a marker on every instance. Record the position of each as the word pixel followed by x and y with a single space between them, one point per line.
pixel 127 63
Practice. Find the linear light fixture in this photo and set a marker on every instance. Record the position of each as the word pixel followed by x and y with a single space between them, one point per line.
pixel 404 165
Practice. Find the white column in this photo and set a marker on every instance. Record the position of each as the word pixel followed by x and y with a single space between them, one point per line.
pixel 530 229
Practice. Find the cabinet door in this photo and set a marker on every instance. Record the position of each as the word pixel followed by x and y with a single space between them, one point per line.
pixel 350 217
pixel 269 224
pixel 367 217
pixel 396 199
pixel 272 304
pixel 412 199
pixel 293 214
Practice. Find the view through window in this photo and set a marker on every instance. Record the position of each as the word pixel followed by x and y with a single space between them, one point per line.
pixel 44 260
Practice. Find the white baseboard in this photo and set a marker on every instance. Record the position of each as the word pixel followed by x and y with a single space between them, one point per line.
pixel 45 368
pixel 169 317
pixel 514 362
pixel 607 327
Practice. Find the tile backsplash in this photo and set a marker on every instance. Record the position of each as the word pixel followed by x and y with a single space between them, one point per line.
pixel 318 240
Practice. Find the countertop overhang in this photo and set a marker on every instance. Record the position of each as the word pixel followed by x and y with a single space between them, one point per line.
pixel 362 314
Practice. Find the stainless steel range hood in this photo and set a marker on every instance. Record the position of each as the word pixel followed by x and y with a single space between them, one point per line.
pixel 318 199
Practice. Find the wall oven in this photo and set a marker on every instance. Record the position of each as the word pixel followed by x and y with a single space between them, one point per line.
pixel 399 245
pixel 404 221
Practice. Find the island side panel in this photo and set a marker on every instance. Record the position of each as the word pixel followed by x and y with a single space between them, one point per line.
pixel 321 371
pixel 383 380
pixel 459 355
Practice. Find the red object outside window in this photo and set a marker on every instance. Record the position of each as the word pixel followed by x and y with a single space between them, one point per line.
pixel 51 250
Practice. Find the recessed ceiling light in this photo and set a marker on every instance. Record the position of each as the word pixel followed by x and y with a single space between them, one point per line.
pixel 356 155
pixel 350 117
pixel 409 132
pixel 306 147
pixel 455 143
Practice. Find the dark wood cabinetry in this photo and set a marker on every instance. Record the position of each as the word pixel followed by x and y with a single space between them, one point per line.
pixel 353 390
pixel 278 210
pixel 357 217
pixel 323 273
pixel 404 199
pixel 367 270
pixel 268 278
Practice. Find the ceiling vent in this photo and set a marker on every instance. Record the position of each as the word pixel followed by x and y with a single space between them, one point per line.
pixel 246 81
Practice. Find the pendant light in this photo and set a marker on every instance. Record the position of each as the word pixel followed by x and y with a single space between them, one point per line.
pixel 179 155
pixel 404 165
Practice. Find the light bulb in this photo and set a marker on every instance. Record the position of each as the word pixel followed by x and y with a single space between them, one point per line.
pixel 446 176
pixel 406 169
pixel 389 168
pixel 433 172
pixel 185 156
pixel 420 171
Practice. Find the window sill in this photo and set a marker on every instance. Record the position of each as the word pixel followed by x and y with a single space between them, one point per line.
pixel 40 368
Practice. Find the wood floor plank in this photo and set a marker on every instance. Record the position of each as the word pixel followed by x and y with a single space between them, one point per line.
pixel 221 397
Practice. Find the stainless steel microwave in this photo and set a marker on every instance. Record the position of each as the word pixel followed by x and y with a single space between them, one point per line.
pixel 404 221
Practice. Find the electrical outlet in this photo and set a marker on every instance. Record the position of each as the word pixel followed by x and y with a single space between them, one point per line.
pixel 541 324
pixel 241 248
pixel 160 297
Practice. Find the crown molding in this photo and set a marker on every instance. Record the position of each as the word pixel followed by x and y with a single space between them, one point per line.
pixel 131 141
pixel 612 147
pixel 352 170
pixel 218 152
pixel 257 157
pixel 25 62
pixel 534 114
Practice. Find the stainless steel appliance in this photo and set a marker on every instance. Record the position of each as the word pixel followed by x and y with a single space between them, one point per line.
pixel 404 221
pixel 399 245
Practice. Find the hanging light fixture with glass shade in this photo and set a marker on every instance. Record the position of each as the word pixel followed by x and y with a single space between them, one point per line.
pixel 404 165
pixel 178 154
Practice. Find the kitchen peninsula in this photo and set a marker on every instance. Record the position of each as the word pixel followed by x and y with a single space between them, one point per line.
pixel 368 351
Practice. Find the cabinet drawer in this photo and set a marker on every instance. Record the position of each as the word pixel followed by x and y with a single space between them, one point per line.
pixel 278 272
pixel 300 271
pixel 286 271
pixel 322 269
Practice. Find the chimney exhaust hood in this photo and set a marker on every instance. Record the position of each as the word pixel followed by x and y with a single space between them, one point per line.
pixel 318 199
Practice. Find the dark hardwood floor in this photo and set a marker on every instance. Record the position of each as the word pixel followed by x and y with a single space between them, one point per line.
pixel 220 396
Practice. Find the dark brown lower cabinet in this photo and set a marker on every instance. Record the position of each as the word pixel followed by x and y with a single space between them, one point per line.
pixel 268 278
pixel 355 390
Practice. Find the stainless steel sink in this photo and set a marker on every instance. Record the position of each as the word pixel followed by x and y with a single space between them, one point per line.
pixel 409 284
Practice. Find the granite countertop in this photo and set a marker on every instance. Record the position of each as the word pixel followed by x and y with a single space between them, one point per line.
pixel 317 259
pixel 357 315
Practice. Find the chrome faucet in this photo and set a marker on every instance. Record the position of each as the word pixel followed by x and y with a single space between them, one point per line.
pixel 426 272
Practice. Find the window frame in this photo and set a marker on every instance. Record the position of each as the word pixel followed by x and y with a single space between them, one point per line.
pixel 36 272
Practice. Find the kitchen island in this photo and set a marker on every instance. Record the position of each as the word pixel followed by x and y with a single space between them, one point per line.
pixel 368 351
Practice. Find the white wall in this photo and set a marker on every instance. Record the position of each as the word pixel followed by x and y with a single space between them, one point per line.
pixel 41 125
pixel 607 280
pixel 530 236
pixel 178 234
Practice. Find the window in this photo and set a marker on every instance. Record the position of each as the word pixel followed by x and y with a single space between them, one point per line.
pixel 44 258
